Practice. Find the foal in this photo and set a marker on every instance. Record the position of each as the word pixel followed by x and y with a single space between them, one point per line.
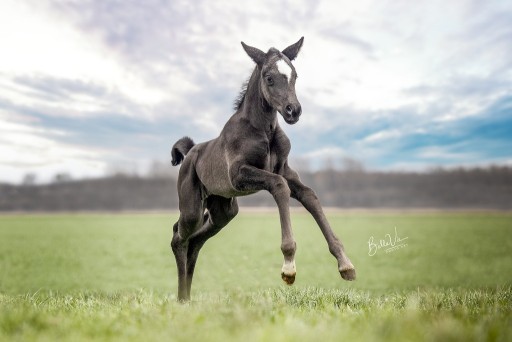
pixel 250 154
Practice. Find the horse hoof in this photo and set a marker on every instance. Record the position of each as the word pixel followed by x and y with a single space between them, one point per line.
pixel 348 274
pixel 289 279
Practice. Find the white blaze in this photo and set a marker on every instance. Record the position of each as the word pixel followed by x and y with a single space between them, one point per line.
pixel 284 69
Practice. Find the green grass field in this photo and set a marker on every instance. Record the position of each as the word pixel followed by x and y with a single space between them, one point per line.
pixel 112 277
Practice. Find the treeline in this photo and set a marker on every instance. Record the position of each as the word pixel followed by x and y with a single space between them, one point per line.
pixel 486 188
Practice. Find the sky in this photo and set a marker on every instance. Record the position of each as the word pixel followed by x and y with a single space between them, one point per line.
pixel 92 87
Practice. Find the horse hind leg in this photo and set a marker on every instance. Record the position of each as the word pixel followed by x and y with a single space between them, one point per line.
pixel 179 248
pixel 190 221
pixel 180 245
pixel 193 251
pixel 220 211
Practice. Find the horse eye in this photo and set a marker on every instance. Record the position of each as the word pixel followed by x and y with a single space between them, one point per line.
pixel 270 80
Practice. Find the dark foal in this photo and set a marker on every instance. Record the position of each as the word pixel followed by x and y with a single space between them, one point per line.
pixel 250 154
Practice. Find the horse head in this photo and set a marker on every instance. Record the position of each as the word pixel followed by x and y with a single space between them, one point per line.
pixel 277 78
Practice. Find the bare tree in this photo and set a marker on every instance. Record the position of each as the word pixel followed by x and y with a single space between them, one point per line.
pixel 29 179
pixel 352 165
pixel 160 169
pixel 62 177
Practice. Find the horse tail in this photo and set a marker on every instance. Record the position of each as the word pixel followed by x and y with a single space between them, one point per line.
pixel 180 150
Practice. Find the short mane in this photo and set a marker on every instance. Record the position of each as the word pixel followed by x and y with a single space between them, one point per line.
pixel 239 101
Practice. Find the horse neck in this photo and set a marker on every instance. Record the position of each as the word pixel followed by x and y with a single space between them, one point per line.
pixel 255 108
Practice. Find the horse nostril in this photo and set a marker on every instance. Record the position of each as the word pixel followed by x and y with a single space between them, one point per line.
pixel 289 110
pixel 298 111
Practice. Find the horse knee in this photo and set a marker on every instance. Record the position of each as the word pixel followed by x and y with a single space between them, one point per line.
pixel 309 195
pixel 304 194
pixel 280 188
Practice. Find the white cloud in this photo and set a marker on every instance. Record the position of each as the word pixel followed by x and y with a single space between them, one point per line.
pixel 382 136
pixel 444 153
pixel 40 43
pixel 405 65
pixel 26 149
pixel 325 153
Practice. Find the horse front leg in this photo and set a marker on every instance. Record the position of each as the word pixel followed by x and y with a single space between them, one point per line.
pixel 310 201
pixel 250 178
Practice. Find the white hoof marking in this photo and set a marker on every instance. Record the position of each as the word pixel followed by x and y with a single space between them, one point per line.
pixel 289 268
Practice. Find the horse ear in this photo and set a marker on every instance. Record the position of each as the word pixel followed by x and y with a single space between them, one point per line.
pixel 256 55
pixel 293 50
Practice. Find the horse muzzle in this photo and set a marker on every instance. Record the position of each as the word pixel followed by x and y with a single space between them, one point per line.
pixel 292 113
